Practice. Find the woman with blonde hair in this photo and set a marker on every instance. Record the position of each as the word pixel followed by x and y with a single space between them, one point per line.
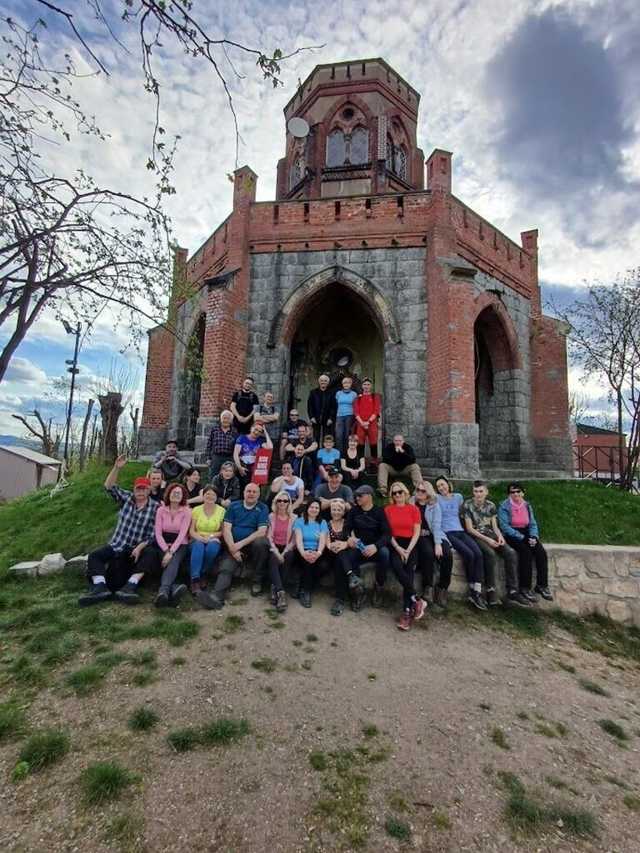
pixel 337 558
pixel 282 547
pixel 404 521
pixel 432 546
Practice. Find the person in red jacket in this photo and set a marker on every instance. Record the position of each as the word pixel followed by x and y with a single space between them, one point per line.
pixel 366 409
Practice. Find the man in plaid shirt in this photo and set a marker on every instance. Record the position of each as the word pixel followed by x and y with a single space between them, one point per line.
pixel 221 442
pixel 116 569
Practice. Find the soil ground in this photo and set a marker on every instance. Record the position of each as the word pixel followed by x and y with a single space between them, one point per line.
pixel 406 731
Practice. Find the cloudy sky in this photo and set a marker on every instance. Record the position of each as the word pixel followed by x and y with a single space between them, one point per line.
pixel 537 100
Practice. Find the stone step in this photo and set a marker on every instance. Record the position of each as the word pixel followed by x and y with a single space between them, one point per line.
pixel 524 474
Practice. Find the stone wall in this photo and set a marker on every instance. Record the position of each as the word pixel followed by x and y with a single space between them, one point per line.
pixel 586 579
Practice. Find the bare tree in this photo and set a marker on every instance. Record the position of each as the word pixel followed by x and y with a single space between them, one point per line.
pixel 578 407
pixel 45 431
pixel 68 243
pixel 83 440
pixel 605 341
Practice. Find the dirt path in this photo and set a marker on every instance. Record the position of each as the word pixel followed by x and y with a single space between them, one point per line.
pixel 413 715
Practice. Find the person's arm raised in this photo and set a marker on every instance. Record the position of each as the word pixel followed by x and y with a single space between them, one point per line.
pixel 112 476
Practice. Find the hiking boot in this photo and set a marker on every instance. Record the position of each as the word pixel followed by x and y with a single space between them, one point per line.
pixel 377 596
pixel 195 587
pixel 530 596
pixel 357 598
pixel 441 598
pixel 476 599
pixel 129 594
pixel 281 601
pixel 162 598
pixel 273 595
pixel 178 590
pixel 545 592
pixel 355 581
pixel 305 598
pixel 256 589
pixel 97 592
pixel 427 594
pixel 337 608
pixel 492 598
pixel 419 608
pixel 404 623
pixel 294 592
pixel 518 599
pixel 208 601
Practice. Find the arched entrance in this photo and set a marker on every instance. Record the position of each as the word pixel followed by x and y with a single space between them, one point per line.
pixel 338 334
pixel 497 372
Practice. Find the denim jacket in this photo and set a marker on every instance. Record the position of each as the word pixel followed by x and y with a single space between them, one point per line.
pixel 504 520
pixel 433 517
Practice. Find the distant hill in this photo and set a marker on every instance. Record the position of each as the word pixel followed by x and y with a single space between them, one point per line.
pixel 23 442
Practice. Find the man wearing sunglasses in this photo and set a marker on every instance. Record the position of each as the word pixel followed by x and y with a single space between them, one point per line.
pixel 369 538
pixel 518 523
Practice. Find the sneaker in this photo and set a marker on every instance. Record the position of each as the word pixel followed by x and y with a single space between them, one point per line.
pixel 475 598
pixel 162 598
pixel 419 608
pixel 377 596
pixel 129 594
pixel 355 581
pixel 178 590
pixel 492 598
pixel 404 623
pixel 518 599
pixel 427 594
pixel 530 596
pixel 305 598
pixel 441 599
pixel 97 592
pixel 195 587
pixel 281 601
pixel 208 601
pixel 338 607
pixel 256 589
pixel 274 595
pixel 545 592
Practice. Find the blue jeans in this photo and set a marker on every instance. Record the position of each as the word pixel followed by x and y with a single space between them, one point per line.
pixel 203 555
pixel 344 425
pixel 381 558
pixel 471 554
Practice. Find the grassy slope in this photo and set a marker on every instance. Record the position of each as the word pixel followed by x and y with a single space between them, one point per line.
pixel 82 516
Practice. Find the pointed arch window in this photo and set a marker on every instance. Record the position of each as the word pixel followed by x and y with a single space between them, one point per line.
pixel 358 146
pixel 396 159
pixel 344 149
pixel 336 148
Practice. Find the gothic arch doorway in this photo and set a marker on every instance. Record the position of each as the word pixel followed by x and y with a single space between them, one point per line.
pixel 496 387
pixel 337 334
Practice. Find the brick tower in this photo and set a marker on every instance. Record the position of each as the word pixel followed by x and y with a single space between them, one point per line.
pixel 357 267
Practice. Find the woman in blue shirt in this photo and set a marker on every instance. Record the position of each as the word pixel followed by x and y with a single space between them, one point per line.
pixel 344 419
pixel 450 503
pixel 310 534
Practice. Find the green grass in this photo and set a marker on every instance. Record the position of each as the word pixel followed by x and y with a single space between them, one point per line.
pixel 370 730
pixel 592 687
pixel 265 664
pixel 614 729
pixel 599 634
pixel 441 820
pixel 632 802
pixel 88 511
pixel 104 781
pixel 126 831
pixel 500 738
pixel 531 815
pixel 143 719
pixel 221 732
pixel 44 748
pixel 12 721
pixel 318 760
pixel 232 624
pixel 398 829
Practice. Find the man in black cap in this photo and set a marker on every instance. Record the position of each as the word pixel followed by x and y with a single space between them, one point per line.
pixel 369 538
pixel 332 489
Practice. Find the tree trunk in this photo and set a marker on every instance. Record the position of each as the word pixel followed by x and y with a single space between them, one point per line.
pixel 134 433
pixel 621 464
pixel 83 440
pixel 110 410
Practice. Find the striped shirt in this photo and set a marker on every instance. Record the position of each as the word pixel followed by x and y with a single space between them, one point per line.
pixel 134 525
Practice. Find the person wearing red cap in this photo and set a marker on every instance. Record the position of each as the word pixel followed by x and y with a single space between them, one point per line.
pixel 115 570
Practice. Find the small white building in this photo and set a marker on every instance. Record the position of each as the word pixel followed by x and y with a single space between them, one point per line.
pixel 22 470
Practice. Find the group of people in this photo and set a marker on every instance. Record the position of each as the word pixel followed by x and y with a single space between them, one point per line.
pixel 319 516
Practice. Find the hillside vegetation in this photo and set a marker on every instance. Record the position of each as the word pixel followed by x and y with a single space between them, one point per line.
pixel 82 516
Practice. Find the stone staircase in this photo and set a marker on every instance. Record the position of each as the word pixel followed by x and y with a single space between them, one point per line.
pixel 505 470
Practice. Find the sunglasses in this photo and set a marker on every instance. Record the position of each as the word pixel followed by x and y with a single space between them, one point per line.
pixel 516 492
pixel 421 490
pixel 283 501
pixel 395 494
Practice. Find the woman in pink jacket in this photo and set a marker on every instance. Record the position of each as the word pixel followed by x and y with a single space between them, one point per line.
pixel 172 536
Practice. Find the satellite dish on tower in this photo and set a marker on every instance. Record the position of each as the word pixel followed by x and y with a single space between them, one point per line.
pixel 298 127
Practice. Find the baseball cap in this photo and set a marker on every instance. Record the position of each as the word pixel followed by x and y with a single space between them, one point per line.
pixel 141 483
pixel 364 490
pixel 228 464
pixel 331 469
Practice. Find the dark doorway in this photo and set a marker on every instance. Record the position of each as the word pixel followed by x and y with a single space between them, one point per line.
pixel 338 335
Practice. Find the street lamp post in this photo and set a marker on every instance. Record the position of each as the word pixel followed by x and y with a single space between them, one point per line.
pixel 73 370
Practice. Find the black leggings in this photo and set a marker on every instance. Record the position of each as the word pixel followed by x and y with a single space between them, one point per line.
pixel 280 573
pixel 405 572
pixel 310 573
pixel 340 564
pixel 427 560
pixel 526 555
